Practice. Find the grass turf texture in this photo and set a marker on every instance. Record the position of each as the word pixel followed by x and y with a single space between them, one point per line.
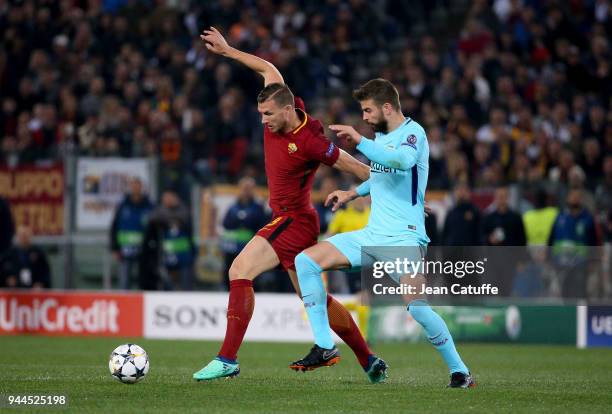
pixel 511 378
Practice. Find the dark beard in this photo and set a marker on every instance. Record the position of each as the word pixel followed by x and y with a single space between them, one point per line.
pixel 382 126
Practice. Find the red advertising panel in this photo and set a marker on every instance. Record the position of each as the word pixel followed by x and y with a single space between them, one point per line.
pixel 78 313
pixel 36 196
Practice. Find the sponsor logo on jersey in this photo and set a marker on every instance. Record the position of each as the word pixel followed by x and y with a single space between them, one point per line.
pixel 330 150
pixel 379 168
pixel 411 141
pixel 292 148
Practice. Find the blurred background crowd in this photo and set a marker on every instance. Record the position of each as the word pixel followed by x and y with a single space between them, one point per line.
pixel 515 96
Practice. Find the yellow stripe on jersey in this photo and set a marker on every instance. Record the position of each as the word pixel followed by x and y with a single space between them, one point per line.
pixel 295 131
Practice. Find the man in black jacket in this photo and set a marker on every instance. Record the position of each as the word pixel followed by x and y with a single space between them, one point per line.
pixel 461 231
pixel 462 224
pixel 503 229
pixel 502 226
pixel 168 250
pixel 24 265
pixel 7 227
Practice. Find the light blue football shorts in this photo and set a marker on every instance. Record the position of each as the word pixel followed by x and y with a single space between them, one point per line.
pixel 363 245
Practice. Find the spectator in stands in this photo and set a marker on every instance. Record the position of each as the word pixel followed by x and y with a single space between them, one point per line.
pixel 134 86
pixel 592 162
pixel 127 228
pixel 243 219
pixel 24 265
pixel 530 277
pixel 502 226
pixel 573 232
pixel 462 223
pixel 461 230
pixel 431 228
pixel 538 221
pixel 607 232
pixel 603 193
pixel 7 227
pixel 169 237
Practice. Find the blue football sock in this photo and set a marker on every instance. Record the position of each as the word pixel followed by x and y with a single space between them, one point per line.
pixel 438 334
pixel 315 299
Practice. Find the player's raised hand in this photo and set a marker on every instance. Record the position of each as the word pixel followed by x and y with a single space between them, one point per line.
pixel 339 198
pixel 215 42
pixel 348 132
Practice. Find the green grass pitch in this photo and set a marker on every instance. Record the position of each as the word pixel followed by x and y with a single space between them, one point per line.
pixel 511 378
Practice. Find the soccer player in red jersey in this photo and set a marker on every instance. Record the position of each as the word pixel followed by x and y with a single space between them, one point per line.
pixel 295 146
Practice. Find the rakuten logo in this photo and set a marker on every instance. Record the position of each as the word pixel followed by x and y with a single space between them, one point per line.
pixel 48 315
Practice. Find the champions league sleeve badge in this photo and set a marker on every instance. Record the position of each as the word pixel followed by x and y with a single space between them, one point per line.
pixel 411 141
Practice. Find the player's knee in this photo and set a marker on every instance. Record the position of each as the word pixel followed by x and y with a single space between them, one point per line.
pixel 238 270
pixel 304 263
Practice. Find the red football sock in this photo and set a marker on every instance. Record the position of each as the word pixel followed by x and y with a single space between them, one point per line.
pixel 342 323
pixel 239 311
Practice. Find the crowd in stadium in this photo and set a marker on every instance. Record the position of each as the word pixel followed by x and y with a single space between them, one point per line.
pixel 509 91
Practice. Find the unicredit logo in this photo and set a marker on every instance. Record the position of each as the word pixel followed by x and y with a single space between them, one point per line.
pixel 48 315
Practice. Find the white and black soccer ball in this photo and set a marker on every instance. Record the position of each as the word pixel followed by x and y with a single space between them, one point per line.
pixel 128 363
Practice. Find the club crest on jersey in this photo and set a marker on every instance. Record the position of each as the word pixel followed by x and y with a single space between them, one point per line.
pixel 292 148
pixel 411 141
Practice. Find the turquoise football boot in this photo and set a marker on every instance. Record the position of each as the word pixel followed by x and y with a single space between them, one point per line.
pixel 217 368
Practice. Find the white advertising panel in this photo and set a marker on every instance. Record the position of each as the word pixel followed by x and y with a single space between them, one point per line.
pixel 102 184
pixel 179 315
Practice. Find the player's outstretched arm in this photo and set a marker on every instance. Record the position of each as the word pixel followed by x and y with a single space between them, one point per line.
pixel 402 158
pixel 348 163
pixel 216 43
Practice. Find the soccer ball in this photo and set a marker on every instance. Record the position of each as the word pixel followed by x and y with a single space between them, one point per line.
pixel 128 363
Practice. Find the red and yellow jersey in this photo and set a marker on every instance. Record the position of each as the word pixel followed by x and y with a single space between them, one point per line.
pixel 292 160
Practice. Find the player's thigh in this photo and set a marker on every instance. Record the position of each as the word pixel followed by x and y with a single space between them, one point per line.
pixel 327 256
pixel 344 249
pixel 257 257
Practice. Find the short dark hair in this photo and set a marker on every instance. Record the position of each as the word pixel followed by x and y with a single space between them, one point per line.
pixel 381 91
pixel 279 92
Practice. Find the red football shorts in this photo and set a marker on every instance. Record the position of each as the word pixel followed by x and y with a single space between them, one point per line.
pixel 291 233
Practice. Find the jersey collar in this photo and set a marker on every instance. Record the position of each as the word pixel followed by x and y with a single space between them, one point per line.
pixel 295 131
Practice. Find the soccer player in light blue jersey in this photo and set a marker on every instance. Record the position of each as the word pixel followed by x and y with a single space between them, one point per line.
pixel 399 157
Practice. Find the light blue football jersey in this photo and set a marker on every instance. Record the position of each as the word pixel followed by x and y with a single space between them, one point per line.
pixel 398 181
